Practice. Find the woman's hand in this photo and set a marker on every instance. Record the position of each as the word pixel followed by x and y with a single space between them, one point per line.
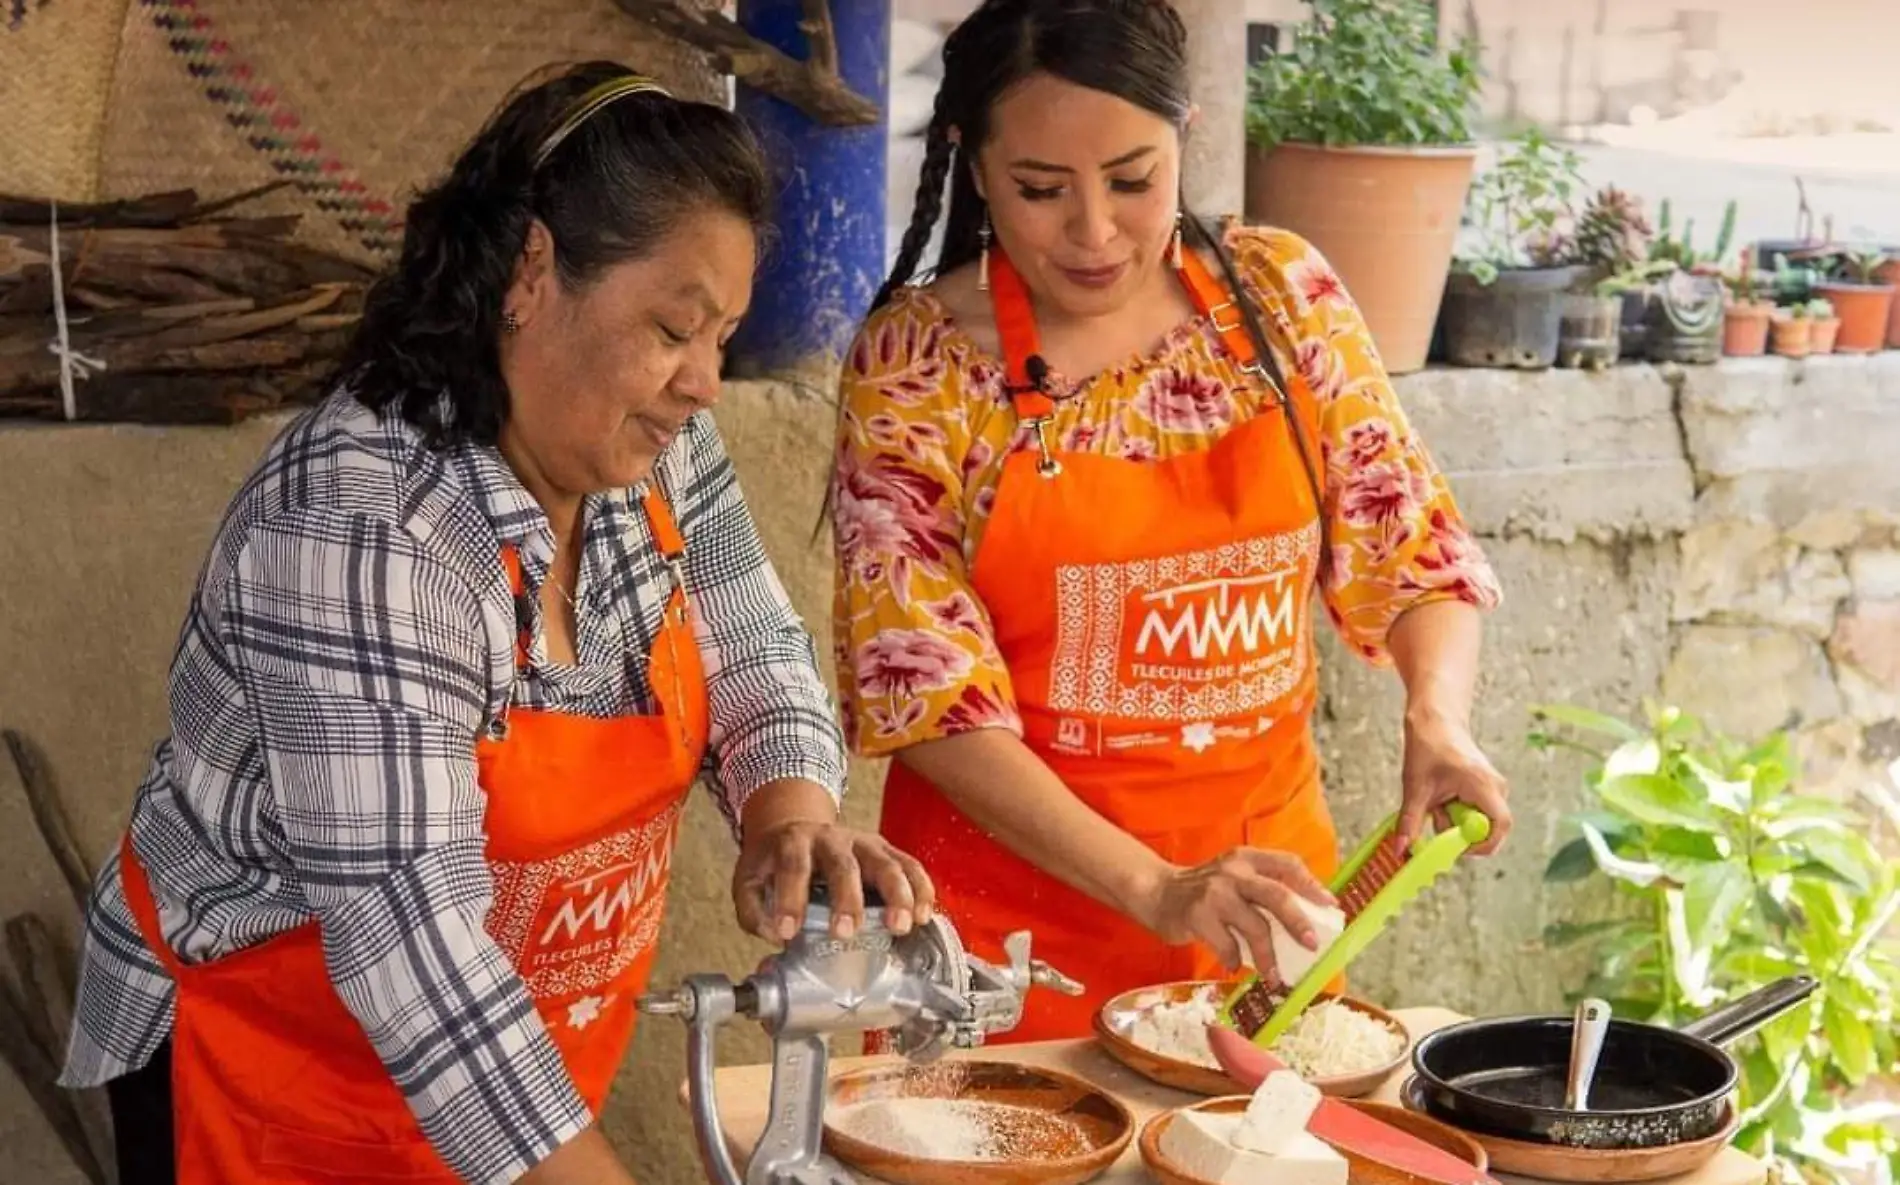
pixel 771 884
pixel 1220 902
pixel 1443 764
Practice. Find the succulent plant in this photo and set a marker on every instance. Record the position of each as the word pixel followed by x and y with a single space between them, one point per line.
pixel 1613 233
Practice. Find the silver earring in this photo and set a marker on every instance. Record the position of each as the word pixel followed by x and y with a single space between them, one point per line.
pixel 510 323
pixel 1177 240
pixel 983 260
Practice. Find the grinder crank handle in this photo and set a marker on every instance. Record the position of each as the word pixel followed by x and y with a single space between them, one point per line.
pixel 1034 971
pixel 704 1002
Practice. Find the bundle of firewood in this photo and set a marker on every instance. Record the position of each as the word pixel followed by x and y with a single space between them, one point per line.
pixel 176 310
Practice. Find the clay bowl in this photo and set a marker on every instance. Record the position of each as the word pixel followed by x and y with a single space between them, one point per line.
pixel 1360 1171
pixel 1060 1131
pixel 1555 1162
pixel 1115 1019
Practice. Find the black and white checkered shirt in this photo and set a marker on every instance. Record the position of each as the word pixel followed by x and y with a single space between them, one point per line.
pixel 350 636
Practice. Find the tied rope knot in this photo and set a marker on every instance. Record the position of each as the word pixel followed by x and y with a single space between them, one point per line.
pixel 72 363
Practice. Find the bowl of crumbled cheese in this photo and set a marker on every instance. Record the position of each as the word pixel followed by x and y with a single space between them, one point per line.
pixel 968 1122
pixel 1345 1047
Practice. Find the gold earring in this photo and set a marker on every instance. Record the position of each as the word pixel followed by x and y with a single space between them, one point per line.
pixel 1177 241
pixel 510 323
pixel 983 260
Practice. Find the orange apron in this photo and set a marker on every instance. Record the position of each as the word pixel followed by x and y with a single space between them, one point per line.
pixel 274 1081
pixel 1154 617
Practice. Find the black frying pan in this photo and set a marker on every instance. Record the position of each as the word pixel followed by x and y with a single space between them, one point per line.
pixel 1654 1086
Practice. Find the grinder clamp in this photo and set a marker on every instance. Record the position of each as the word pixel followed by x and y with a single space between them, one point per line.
pixel 923 987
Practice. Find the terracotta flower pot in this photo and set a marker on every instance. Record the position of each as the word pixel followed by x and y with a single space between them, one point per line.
pixel 1821 337
pixel 1793 336
pixel 1889 273
pixel 1385 218
pixel 1864 310
pixel 1745 330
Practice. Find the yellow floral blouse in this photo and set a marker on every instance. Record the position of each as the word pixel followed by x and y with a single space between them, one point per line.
pixel 926 426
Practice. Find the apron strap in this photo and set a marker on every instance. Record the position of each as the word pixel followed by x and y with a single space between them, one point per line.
pixel 1024 370
pixel 672 545
pixel 138 897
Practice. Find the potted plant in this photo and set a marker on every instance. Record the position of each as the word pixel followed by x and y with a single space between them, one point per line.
pixel 1827 326
pixel 1889 273
pixel 1859 297
pixel 1360 140
pixel 1793 331
pixel 1746 316
pixel 1504 301
pixel 1612 244
pixel 1685 317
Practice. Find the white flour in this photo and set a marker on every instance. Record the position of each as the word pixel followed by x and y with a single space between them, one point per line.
pixel 1327 1040
pixel 960 1129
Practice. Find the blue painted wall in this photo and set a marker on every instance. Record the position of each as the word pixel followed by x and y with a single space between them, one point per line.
pixel 818 279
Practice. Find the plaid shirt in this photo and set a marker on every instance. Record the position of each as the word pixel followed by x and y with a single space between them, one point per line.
pixel 350 636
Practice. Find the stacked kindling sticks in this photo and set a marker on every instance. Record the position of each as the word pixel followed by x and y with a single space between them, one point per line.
pixel 176 311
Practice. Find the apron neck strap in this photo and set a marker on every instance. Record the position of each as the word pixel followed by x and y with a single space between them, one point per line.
pixel 666 537
pixel 1024 368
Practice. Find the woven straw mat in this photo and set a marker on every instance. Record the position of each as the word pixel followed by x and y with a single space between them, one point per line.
pixel 359 102
pixel 55 72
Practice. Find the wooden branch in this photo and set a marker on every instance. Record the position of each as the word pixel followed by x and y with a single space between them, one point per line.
pixel 34 1019
pixel 813 86
pixel 821 36
pixel 49 815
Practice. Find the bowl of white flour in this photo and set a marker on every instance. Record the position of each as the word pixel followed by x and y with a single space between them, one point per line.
pixel 1346 1047
pixel 966 1122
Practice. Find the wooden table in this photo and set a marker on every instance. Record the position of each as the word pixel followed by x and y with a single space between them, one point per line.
pixel 743 1091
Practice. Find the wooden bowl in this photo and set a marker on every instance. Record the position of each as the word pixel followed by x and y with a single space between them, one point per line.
pixel 1555 1162
pixel 1115 1018
pixel 1062 1132
pixel 1359 1170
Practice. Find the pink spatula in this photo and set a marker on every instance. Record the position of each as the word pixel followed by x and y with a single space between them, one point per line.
pixel 1342 1126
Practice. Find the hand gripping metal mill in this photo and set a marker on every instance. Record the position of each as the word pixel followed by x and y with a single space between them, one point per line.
pixel 922 987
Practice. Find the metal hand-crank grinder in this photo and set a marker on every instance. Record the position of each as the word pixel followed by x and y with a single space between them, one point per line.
pixel 922 986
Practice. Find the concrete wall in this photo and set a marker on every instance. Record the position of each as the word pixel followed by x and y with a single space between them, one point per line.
pixel 1726 535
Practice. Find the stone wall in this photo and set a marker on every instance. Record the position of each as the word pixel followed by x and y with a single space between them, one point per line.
pixel 1724 536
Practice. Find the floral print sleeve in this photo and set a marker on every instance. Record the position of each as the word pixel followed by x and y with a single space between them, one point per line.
pixel 1398 540
pixel 916 657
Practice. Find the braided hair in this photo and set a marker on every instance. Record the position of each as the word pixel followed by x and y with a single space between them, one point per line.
pixel 1135 50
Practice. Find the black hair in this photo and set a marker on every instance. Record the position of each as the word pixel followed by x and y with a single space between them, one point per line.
pixel 1135 50
pixel 426 347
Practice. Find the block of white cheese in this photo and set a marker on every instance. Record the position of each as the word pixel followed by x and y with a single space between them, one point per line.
pixel 1202 1145
pixel 1290 955
pixel 1277 1114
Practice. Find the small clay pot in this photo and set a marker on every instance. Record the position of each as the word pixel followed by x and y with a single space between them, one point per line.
pixel 1889 273
pixel 1745 329
pixel 1821 337
pixel 1793 336
pixel 1864 310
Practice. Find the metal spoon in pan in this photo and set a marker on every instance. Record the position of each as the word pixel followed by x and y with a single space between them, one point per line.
pixel 1587 1031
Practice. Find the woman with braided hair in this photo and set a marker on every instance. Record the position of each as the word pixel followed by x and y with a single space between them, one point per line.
pixel 1091 478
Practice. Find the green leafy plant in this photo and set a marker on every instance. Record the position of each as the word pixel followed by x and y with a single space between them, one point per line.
pixel 1729 879
pixel 1858 265
pixel 1522 209
pixel 1680 249
pixel 1820 308
pixel 1365 72
pixel 1635 278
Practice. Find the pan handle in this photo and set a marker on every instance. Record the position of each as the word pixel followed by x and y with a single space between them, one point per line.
pixel 1738 1018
